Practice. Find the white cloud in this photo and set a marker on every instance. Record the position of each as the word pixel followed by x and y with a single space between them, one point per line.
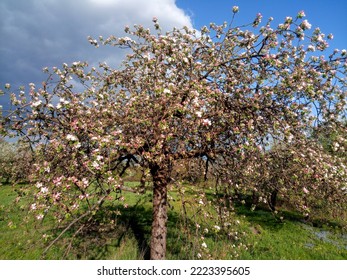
pixel 36 33
pixel 105 2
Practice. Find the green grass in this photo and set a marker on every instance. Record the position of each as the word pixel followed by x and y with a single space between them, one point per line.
pixel 258 234
pixel 20 237
pixel 290 239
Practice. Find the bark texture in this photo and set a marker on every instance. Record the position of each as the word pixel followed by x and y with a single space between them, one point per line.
pixel 159 224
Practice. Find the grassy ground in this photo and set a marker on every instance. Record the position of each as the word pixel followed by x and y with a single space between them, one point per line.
pixel 256 235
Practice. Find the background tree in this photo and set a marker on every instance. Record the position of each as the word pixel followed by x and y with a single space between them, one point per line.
pixel 293 175
pixel 220 95
pixel 332 137
pixel 15 159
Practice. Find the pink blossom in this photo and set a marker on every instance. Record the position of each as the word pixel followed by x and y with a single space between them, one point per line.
pixel 301 14
pixel 74 124
pixel 57 181
pixel 74 179
pixel 56 196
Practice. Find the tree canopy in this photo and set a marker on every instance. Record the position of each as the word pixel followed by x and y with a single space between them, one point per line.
pixel 243 100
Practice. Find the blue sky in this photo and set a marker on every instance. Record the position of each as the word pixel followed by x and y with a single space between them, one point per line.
pixel 39 33
pixel 329 15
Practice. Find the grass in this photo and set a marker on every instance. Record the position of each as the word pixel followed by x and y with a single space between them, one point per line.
pixel 290 239
pixel 258 234
pixel 20 237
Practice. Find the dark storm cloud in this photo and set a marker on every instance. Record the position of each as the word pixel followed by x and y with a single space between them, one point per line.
pixel 39 33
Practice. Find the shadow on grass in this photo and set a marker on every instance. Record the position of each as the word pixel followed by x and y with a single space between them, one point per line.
pixel 266 218
pixel 108 234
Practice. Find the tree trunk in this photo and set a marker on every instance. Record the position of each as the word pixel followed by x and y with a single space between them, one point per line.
pixel 273 200
pixel 159 225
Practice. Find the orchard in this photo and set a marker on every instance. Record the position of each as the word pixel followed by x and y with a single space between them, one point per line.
pixel 238 104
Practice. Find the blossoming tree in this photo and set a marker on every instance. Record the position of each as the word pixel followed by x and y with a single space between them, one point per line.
pixel 14 159
pixel 223 94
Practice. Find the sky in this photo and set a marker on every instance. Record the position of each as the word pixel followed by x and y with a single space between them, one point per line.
pixel 39 33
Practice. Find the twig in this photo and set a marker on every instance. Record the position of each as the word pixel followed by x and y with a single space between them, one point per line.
pixel 72 223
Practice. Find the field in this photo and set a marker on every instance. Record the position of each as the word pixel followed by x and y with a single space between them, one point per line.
pixel 257 235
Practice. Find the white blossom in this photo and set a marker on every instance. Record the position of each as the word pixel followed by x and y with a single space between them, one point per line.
pixel 167 91
pixel 235 9
pixel 126 39
pixel 36 103
pixel 99 158
pixel 77 145
pixel 206 122
pixel 96 165
pixel 217 228
pixel 85 181
pixel 71 137
pixel 320 38
pixel 44 190
pixel 311 48
pixel 64 101
pixel 39 217
pixel 305 24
